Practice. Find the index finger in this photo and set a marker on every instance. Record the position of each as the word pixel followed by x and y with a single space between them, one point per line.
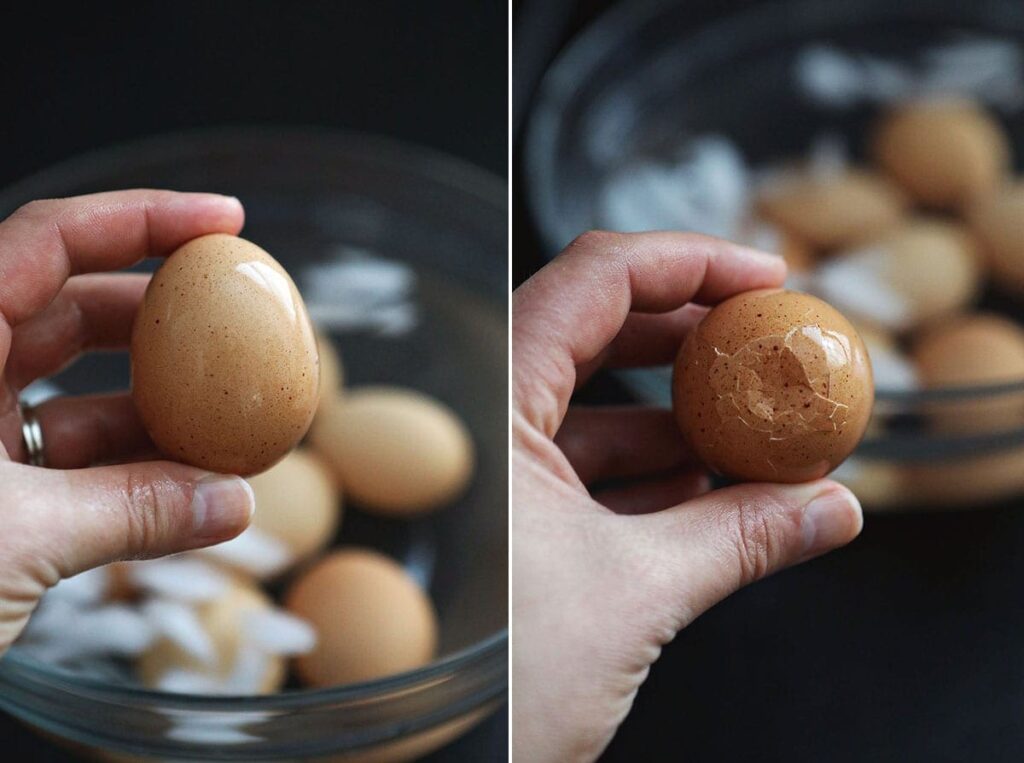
pixel 45 242
pixel 566 314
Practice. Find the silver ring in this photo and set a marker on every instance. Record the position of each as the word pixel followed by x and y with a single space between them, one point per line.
pixel 32 434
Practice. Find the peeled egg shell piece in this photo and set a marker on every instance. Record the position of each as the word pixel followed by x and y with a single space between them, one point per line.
pixel 297 503
pixel 225 373
pixel 998 222
pixel 831 211
pixel 223 620
pixel 773 386
pixel 395 451
pixel 370 616
pixel 919 272
pixel 943 152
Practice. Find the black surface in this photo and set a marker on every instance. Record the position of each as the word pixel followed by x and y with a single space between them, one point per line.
pixel 87 76
pixel 906 646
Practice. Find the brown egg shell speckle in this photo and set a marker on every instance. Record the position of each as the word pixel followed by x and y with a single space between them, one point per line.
pixel 773 386
pixel 225 372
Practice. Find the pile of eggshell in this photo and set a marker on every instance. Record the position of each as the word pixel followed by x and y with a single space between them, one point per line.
pixel 203 622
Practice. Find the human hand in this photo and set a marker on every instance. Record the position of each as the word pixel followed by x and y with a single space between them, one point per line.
pixel 62 520
pixel 602 581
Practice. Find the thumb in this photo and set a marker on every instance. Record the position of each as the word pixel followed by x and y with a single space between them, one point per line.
pixel 95 516
pixel 731 537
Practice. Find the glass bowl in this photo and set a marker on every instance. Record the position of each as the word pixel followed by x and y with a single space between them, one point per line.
pixel 635 85
pixel 312 196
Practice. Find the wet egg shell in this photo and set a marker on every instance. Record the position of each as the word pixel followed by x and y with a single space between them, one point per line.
pixel 225 372
pixel 921 271
pixel 832 211
pixel 773 386
pixel 943 152
pixel 223 620
pixel 998 222
pixel 971 350
pixel 370 616
pixel 297 503
pixel 395 451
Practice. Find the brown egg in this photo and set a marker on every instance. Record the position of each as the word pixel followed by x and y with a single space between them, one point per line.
pixel 973 350
pixel 225 373
pixel 773 386
pixel 223 620
pixel 998 222
pixel 371 619
pixel 921 271
pixel 395 451
pixel 832 210
pixel 966 482
pixel 297 503
pixel 944 153
pixel 332 373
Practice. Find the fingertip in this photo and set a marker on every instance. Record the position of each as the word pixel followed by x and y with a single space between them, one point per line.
pixel 831 518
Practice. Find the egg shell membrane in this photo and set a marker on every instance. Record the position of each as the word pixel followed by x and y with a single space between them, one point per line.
pixel 225 371
pixel 773 386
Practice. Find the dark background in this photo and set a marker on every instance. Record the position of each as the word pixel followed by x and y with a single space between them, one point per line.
pixel 429 73
pixel 908 645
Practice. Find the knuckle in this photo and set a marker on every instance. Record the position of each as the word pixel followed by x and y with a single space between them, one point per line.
pixel 755 540
pixel 149 512
pixel 35 209
pixel 594 240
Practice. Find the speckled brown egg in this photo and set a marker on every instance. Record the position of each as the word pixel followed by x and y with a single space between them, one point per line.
pixel 832 210
pixel 225 372
pixel 998 222
pixel 943 152
pixel 371 618
pixel 395 451
pixel 297 503
pixel 773 386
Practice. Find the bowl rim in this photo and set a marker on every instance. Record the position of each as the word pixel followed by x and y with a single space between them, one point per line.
pixel 574 65
pixel 400 156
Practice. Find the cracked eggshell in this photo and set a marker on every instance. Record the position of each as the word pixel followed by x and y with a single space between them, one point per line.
pixel 225 373
pixel 223 620
pixel 944 153
pixel 829 211
pixel 998 222
pixel 972 350
pixel 395 451
pixel 371 618
pixel 297 503
pixel 773 386
pixel 923 270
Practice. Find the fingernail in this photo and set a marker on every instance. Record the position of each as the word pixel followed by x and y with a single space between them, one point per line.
pixel 831 518
pixel 222 506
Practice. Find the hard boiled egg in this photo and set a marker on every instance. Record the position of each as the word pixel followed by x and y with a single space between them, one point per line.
pixel 225 373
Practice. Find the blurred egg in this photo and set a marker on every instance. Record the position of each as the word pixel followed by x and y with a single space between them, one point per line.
pixel 831 210
pixel 231 664
pixel 943 152
pixel 998 222
pixel 297 503
pixel 332 372
pixel 773 386
pixel 395 451
pixel 923 270
pixel 973 350
pixel 370 616
pixel 965 482
pixel 224 364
